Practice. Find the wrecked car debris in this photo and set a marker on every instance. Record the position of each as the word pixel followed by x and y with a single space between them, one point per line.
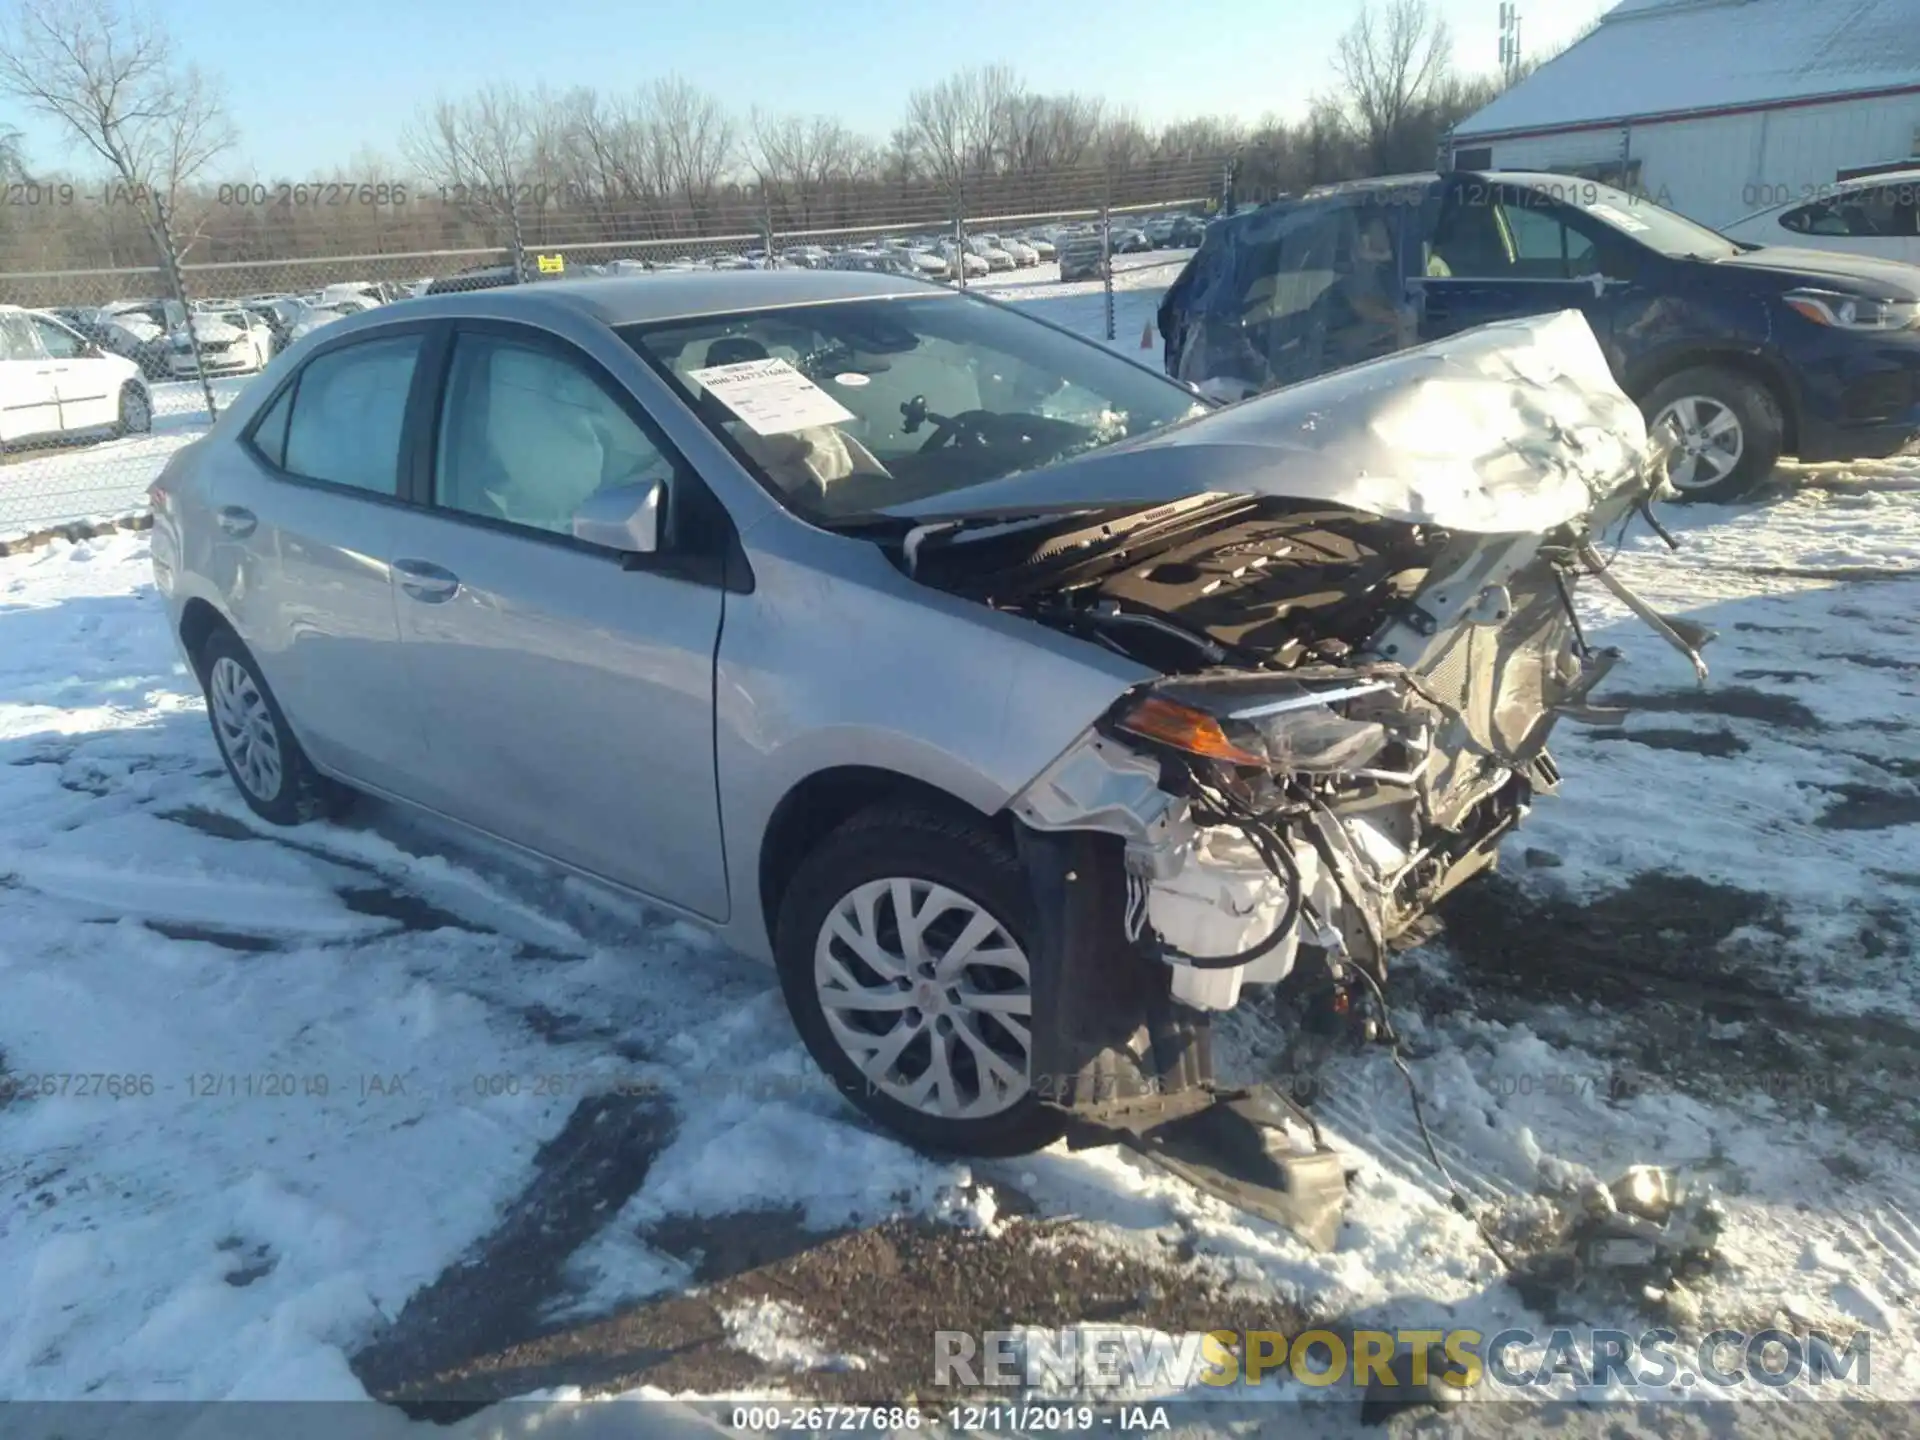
pixel 1648 1231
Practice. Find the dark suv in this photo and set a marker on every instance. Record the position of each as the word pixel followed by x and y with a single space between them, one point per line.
pixel 1755 352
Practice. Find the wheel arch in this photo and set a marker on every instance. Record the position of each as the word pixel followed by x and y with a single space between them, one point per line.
pixel 199 620
pixel 1757 367
pixel 826 799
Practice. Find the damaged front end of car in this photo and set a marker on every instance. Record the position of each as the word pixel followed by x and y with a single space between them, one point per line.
pixel 1356 687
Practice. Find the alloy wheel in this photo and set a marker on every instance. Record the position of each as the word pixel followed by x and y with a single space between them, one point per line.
pixel 245 728
pixel 929 996
pixel 1711 441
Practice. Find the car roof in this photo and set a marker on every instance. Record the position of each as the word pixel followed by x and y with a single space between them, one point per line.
pixel 684 295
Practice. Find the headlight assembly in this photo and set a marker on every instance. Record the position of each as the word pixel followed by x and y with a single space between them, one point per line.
pixel 1854 312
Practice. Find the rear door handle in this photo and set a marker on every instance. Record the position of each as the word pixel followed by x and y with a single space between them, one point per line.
pixel 424 580
pixel 236 521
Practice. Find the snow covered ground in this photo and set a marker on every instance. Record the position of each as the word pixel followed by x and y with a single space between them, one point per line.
pixel 305 1114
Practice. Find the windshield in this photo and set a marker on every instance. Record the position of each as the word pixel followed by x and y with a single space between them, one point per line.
pixel 1652 226
pixel 847 408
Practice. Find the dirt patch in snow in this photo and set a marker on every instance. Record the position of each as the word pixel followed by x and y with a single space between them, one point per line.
pixel 1869 807
pixel 872 1299
pixel 1696 988
pixel 491 1296
pixel 1720 744
pixel 1735 702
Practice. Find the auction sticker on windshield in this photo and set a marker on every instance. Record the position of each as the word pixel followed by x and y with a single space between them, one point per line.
pixel 771 396
pixel 1618 217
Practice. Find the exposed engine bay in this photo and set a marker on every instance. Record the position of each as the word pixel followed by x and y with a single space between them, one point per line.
pixel 1354 711
pixel 1360 654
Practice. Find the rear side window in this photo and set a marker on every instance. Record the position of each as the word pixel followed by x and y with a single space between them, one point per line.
pixel 270 430
pixel 346 412
pixel 1882 212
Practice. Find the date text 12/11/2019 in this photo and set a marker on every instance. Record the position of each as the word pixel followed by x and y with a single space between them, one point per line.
pixel 1029 1418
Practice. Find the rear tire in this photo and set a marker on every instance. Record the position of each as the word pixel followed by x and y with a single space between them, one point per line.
pixel 1732 428
pixel 261 753
pixel 841 942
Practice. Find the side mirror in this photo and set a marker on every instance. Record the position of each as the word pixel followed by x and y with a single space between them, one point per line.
pixel 624 518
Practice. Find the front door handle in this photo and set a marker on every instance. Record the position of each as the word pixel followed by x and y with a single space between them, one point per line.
pixel 236 521
pixel 424 580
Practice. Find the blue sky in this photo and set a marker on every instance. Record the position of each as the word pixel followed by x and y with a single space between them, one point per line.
pixel 310 83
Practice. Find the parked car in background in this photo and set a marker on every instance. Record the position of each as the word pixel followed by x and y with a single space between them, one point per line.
pixel 229 342
pixel 479 277
pixel 56 383
pixel 140 330
pixel 1082 257
pixel 1024 255
pixel 1751 353
pixel 1187 232
pixel 874 262
pixel 967 260
pixel 1042 245
pixel 1877 215
pixel 367 292
pixel 1129 241
pixel 679 539
pixel 929 265
pixel 996 258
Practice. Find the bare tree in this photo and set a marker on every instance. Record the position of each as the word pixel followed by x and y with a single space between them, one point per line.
pixel 696 139
pixel 108 77
pixel 478 156
pixel 800 162
pixel 1389 62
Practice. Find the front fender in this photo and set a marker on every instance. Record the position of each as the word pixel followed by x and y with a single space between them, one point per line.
pixel 836 659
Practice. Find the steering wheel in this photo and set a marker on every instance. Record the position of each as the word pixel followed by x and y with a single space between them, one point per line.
pixel 978 425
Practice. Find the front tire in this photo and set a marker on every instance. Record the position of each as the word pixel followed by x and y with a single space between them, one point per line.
pixel 1731 431
pixel 261 753
pixel 905 943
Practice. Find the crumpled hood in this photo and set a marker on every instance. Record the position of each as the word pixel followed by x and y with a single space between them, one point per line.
pixel 1510 428
pixel 210 330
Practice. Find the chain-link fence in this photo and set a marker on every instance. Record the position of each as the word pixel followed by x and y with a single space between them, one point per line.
pixel 106 372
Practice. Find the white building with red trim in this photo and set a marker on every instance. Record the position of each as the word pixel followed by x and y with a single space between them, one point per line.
pixel 1716 107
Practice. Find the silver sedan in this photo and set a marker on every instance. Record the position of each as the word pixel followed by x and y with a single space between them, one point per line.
pixel 1007 697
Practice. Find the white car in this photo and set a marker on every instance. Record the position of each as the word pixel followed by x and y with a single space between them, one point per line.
pixel 231 342
pixel 365 291
pixel 1042 245
pixel 926 264
pixel 312 317
pixel 996 258
pixel 1874 215
pixel 1023 254
pixel 54 383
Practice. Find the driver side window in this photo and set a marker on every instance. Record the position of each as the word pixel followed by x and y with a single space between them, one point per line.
pixel 527 435
pixel 59 342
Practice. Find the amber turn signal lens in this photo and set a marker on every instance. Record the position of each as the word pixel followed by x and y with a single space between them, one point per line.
pixel 1183 728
